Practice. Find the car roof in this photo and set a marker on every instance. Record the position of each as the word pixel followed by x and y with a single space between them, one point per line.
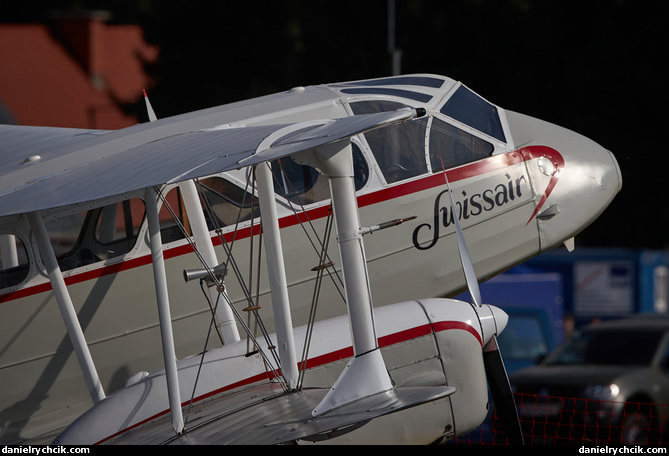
pixel 660 321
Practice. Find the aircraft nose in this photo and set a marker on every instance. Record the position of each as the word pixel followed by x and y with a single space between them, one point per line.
pixel 575 178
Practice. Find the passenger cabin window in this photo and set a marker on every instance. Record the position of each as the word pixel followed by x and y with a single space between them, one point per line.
pixel 119 224
pixel 450 146
pixel 222 202
pixel 225 203
pixel 98 234
pixel 304 185
pixel 297 183
pixel 470 109
pixel 172 217
pixel 14 262
pixel 399 150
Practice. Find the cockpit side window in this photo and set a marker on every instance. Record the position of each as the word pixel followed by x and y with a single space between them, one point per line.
pixel 399 150
pixel 467 107
pixel 99 234
pixel 14 262
pixel 450 146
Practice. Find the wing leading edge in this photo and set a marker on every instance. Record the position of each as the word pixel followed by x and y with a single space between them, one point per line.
pixel 82 166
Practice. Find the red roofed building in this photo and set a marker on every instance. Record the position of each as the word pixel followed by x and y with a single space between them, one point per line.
pixel 73 73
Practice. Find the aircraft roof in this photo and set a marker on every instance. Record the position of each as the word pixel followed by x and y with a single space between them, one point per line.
pixel 45 167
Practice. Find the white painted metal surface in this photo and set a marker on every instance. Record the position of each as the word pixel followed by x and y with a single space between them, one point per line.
pixel 123 319
pixel 164 312
pixel 277 276
pixel 66 308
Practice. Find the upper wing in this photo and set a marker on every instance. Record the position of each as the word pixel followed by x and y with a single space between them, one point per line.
pixel 75 166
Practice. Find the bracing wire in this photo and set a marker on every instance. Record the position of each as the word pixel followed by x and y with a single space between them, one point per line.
pixel 324 266
pixel 312 311
pixel 230 261
pixel 215 279
pixel 332 272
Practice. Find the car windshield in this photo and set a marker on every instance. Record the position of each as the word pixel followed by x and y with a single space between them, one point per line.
pixel 614 346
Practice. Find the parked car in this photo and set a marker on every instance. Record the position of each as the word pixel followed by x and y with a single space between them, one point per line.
pixel 609 377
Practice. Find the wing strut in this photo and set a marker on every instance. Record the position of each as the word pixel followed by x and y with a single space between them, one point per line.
pixel 66 308
pixel 365 375
pixel 160 279
pixel 225 319
pixel 277 275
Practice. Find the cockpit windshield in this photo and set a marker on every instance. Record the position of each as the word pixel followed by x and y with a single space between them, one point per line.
pixel 451 146
pixel 399 150
pixel 467 107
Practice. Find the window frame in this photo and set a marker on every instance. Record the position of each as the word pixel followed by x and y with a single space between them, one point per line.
pixel 91 227
pixel 29 264
pixel 496 149
pixel 367 150
pixel 252 204
pixel 459 89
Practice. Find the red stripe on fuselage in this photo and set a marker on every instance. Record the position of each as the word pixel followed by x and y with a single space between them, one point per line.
pixel 487 165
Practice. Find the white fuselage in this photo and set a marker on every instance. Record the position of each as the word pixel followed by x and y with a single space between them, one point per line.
pixel 540 186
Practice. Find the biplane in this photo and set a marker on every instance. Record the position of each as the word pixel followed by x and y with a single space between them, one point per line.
pixel 209 274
